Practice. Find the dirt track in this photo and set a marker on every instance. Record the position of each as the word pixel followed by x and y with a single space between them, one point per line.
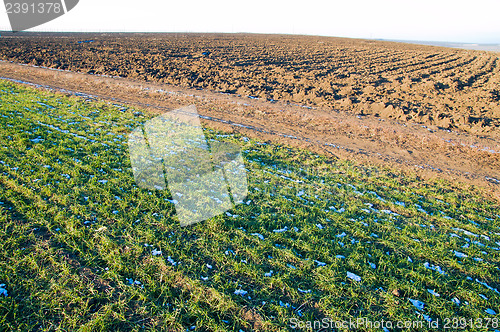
pixel 438 87
pixel 456 156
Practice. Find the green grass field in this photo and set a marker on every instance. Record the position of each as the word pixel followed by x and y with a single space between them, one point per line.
pixel 80 242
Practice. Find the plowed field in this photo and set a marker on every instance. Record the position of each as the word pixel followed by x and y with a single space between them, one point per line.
pixel 441 87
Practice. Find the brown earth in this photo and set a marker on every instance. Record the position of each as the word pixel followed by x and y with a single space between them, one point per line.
pixel 362 139
pixel 438 87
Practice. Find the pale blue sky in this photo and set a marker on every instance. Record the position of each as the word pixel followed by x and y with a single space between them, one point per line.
pixel 434 20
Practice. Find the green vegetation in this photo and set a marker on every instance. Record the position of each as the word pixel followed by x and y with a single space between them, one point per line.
pixel 80 242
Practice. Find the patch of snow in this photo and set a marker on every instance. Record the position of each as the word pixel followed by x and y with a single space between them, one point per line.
pixel 156 252
pixel 171 261
pixel 460 254
pixel 434 268
pixel 320 263
pixel 488 286
pixel 260 236
pixel 240 292
pixel 353 276
pixel 418 304
pixel 3 290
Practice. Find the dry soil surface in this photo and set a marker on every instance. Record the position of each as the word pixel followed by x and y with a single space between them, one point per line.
pixel 363 139
pixel 435 86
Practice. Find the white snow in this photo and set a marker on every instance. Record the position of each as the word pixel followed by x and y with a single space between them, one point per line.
pixel 460 254
pixel 133 282
pixel 280 230
pixel 3 291
pixel 173 201
pixel 240 292
pixel 320 263
pixel 434 268
pixel 424 316
pixel 488 286
pixel 418 304
pixel 353 276
pixel 260 236
pixel 171 261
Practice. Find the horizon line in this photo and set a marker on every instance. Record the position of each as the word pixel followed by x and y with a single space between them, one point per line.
pixel 258 33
